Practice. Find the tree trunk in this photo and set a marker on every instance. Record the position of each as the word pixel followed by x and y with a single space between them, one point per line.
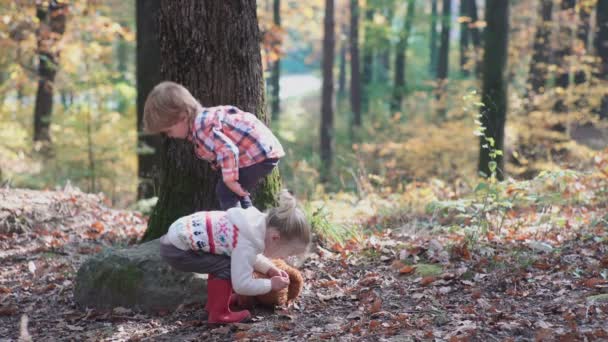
pixel 385 46
pixel 433 39
pixel 541 55
pixel 494 92
pixel 212 48
pixel 443 62
pixel 601 46
pixel 148 75
pixel 401 57
pixel 368 58
pixel 52 19
pixel 464 38
pixel 342 67
pixel 275 78
pixel 355 71
pixel 582 35
pixel 562 79
pixel 327 114
pixel 475 34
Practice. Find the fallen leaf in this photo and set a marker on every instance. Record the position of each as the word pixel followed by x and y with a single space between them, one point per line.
pixel 31 266
pixel 427 280
pixel 8 310
pixel 4 289
pixel 374 324
pixel 593 282
pixel 328 283
pixel 407 269
pixel 74 327
pixel 98 226
pixel 376 306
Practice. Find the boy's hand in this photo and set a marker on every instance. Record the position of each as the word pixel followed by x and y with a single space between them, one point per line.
pixel 278 283
pixel 236 187
pixel 275 272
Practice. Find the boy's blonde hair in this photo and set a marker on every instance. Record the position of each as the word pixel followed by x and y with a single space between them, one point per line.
pixel 289 220
pixel 166 105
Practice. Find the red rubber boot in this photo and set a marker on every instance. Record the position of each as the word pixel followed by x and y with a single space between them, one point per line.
pixel 218 300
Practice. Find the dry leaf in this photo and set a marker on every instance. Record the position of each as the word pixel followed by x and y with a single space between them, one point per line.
pixel 376 306
pixel 407 269
pixel 427 280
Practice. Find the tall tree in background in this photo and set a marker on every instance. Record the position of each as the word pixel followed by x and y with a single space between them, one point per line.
pixel 275 104
pixel 148 75
pixel 537 76
pixel 368 56
pixel 327 112
pixel 384 55
pixel 464 36
pixel 444 50
pixel 52 16
pixel 401 57
pixel 342 66
pixel 562 79
pixel 225 35
pixel 582 37
pixel 494 92
pixel 474 32
pixel 433 39
pixel 601 47
pixel 355 71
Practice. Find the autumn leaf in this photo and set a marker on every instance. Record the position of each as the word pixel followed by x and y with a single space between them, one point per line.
pixel 8 311
pixel 427 280
pixel 376 306
pixel 4 289
pixel 407 269
pixel 98 226
pixel 328 283
pixel 374 324
pixel 593 282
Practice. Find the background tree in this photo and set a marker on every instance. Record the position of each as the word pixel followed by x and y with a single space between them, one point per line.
pixel 444 51
pixel 562 78
pixel 148 75
pixel 537 76
pixel 355 71
pixel 225 35
pixel 368 56
pixel 464 36
pixel 327 114
pixel 275 86
pixel 433 40
pixel 475 33
pixel 601 46
pixel 401 57
pixel 52 16
pixel 494 92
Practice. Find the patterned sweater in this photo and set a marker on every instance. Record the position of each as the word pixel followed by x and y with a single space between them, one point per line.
pixel 238 233
pixel 233 139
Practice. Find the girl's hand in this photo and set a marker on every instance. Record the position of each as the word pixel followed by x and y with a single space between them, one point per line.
pixel 278 283
pixel 236 187
pixel 275 272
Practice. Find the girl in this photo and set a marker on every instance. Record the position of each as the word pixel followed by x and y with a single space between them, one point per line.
pixel 231 140
pixel 229 246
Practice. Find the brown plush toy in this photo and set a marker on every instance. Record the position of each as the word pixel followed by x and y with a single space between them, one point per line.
pixel 277 298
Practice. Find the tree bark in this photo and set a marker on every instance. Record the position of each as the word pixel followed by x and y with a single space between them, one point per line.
pixel 355 71
pixel 464 38
pixel 385 45
pixel 212 48
pixel 368 58
pixel 275 78
pixel 562 79
pixel 444 50
pixel 582 35
pixel 327 114
pixel 52 16
pixel 433 40
pixel 475 34
pixel 401 57
pixel 342 67
pixel 537 76
pixel 494 92
pixel 601 47
pixel 148 75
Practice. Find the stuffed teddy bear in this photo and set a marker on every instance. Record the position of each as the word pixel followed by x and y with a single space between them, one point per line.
pixel 276 298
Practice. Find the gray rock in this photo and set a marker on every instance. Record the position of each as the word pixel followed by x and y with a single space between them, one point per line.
pixel 136 278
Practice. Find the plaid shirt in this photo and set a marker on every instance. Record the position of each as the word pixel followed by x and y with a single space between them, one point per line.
pixel 233 139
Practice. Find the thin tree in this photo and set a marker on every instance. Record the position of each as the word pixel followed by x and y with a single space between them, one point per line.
pixel 368 57
pixel 275 78
pixel 327 113
pixel 475 33
pixel 52 16
pixel 225 35
pixel 433 40
pixel 537 75
pixel 582 36
pixel 401 57
pixel 562 79
pixel 601 47
pixel 148 75
pixel 494 92
pixel 342 66
pixel 355 71
pixel 464 36
pixel 444 50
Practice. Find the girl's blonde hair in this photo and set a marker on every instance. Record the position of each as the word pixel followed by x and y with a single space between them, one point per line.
pixel 289 220
pixel 166 105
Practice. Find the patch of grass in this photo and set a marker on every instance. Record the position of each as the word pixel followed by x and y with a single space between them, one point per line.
pixel 328 231
pixel 428 270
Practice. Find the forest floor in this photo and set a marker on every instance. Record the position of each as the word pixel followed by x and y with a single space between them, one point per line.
pixel 392 287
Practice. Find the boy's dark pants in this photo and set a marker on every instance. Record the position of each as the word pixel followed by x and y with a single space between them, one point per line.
pixel 249 177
